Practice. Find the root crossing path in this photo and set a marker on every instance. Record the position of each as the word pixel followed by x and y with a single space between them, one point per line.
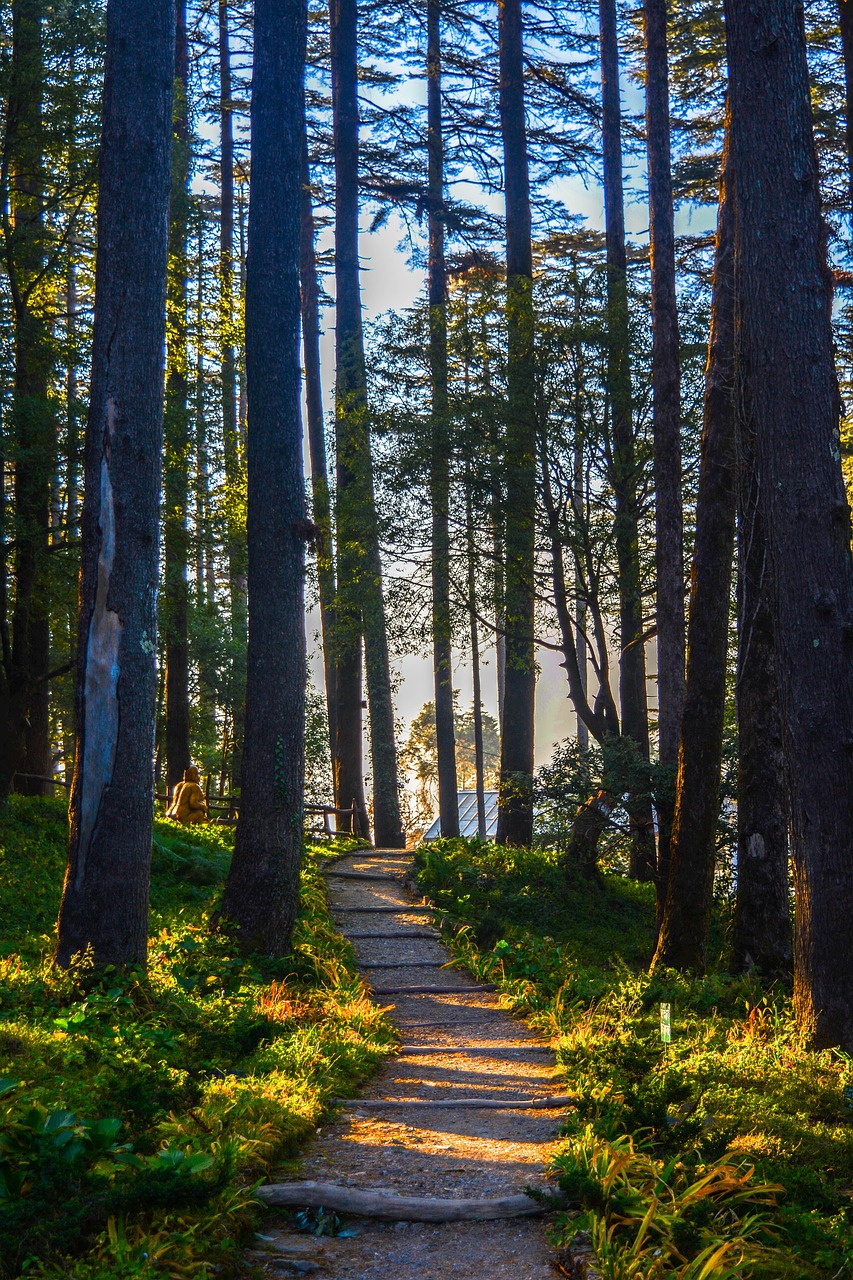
pixel 492 1116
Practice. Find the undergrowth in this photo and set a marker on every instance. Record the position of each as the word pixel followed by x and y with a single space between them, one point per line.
pixel 139 1110
pixel 729 1152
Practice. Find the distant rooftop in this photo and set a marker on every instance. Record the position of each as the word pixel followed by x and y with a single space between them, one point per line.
pixel 468 816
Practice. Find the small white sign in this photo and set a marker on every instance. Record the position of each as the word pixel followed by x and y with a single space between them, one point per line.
pixel 666 1023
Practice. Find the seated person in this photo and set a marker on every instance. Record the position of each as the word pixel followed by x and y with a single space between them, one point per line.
pixel 188 803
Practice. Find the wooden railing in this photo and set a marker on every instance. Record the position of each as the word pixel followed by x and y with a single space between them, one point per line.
pixel 229 806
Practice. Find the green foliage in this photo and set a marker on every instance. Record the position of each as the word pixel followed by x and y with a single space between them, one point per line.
pixel 141 1108
pixel 672 1153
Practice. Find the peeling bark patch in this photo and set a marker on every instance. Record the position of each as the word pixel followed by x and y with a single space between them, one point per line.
pixel 102 672
pixel 755 846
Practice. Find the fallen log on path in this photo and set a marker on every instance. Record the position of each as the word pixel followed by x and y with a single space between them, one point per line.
pixel 468 1104
pixel 390 1207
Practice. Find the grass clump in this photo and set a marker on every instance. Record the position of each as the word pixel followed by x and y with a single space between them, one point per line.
pixel 138 1110
pixel 729 1152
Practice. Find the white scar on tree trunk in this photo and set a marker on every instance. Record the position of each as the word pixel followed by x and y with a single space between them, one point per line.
pixel 101 716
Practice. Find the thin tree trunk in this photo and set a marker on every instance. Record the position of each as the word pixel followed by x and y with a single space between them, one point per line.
pixel 479 764
pixel 105 897
pixel 785 337
pixel 236 533
pixel 666 393
pixel 262 891
pixel 515 805
pixel 761 928
pixel 581 644
pixel 176 433
pixel 321 501
pixel 26 691
pixel 632 663
pixel 688 888
pixel 845 16
pixel 448 807
pixel 360 608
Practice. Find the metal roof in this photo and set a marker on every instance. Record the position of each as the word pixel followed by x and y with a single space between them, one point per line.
pixel 468 816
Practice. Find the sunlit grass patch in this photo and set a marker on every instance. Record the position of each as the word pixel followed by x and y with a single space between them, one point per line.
pixel 207 1071
pixel 734 1092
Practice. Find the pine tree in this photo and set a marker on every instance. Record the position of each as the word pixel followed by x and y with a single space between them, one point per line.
pixel 105 897
pixel 441 441
pixel 785 341
pixel 176 432
pixel 515 813
pixel 262 891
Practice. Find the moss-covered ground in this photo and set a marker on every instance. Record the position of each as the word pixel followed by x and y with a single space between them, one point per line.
pixel 726 1153
pixel 139 1110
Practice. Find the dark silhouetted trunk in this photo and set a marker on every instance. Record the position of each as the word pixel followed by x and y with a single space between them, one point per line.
pixel 105 897
pixel 632 662
pixel 262 891
pixel 359 603
pixel 845 16
pixel 176 434
pixel 236 534
pixel 448 807
pixel 666 393
pixel 23 686
pixel 350 414
pixel 479 765
pixel 761 928
pixel 321 501
pixel 688 888
pixel 515 811
pixel 785 350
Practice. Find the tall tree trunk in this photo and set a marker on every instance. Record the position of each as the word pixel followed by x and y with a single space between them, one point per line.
pixel 581 611
pixel 632 664
pixel 262 891
pixel 785 337
pixel 359 602
pixel 105 897
pixel 666 393
pixel 761 928
pixel 176 433
pixel 686 892
pixel 236 533
pixel 845 16
pixel 448 807
pixel 515 805
pixel 24 688
pixel 479 769
pixel 321 501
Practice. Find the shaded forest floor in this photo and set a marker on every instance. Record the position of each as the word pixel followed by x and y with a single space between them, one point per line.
pixel 139 1111
pixel 731 1146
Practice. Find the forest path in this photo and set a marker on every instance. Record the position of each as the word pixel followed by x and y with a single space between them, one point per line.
pixel 467 1048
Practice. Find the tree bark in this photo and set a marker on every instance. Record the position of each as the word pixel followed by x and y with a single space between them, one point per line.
pixel 666 400
pixel 24 688
pixel 448 807
pixel 688 889
pixel 236 533
pixel 515 805
pixel 360 609
pixel 479 769
pixel 785 336
pixel 632 664
pixel 176 433
pixel 321 501
pixel 105 896
pixel 761 928
pixel 845 17
pixel 262 891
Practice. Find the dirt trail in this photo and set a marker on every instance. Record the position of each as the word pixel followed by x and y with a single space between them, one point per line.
pixel 471 1049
